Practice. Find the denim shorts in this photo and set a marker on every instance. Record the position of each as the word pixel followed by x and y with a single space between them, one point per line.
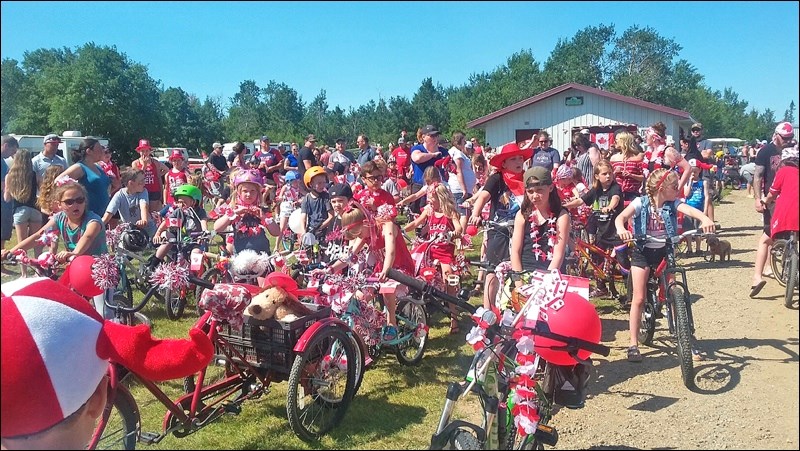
pixel 24 215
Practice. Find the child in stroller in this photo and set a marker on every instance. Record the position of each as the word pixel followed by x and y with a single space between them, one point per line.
pixel 730 173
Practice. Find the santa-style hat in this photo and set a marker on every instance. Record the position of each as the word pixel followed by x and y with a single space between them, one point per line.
pixel 56 349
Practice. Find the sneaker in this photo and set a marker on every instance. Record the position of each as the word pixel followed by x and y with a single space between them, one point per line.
pixel 634 355
pixel 598 293
pixel 389 332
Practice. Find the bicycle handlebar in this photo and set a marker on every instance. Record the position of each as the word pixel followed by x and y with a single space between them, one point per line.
pixel 425 288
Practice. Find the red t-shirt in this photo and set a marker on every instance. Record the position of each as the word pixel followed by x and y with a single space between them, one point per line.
pixel 152 181
pixel 784 217
pixel 402 256
pixel 402 157
pixel 371 200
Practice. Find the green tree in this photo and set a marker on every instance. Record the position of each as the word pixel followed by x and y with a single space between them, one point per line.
pixel 246 118
pixel 12 80
pixel 788 115
pixel 582 59
pixel 430 105
pixel 284 112
pixel 640 63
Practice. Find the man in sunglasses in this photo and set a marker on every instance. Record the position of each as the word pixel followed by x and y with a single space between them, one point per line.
pixel 544 155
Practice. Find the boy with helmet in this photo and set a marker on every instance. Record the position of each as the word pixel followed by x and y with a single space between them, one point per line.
pixel 186 217
pixel 249 220
pixel 315 208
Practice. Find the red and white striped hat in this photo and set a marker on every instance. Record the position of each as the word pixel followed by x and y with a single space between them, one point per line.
pixel 56 348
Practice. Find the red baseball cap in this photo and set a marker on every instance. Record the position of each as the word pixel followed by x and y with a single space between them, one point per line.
pixel 143 145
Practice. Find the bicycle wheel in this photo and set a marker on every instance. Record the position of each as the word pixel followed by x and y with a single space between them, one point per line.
pixel 321 384
pixel 683 333
pixel 647 324
pixel 777 259
pixel 463 439
pixel 174 303
pixel 791 274
pixel 121 429
pixel 412 322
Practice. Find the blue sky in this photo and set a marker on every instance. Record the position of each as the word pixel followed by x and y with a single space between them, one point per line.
pixel 362 51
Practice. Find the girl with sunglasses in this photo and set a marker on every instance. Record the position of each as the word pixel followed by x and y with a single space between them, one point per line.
pixel 81 230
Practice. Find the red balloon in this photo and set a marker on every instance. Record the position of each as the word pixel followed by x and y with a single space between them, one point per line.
pixel 578 318
pixel 472 230
pixel 78 276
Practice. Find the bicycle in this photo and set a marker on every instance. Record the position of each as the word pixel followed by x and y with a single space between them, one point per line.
pixel 664 291
pixel 610 269
pixel 251 359
pixel 784 263
pixel 506 398
pixel 175 300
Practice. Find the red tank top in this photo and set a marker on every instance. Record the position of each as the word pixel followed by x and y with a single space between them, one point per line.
pixel 441 225
pixel 628 184
pixel 152 182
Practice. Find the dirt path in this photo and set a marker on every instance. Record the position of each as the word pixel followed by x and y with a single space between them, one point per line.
pixel 747 395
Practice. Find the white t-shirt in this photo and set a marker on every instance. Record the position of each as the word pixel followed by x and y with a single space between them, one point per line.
pixel 466 169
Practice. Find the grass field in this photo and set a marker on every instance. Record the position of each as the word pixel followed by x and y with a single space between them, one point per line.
pixel 397 407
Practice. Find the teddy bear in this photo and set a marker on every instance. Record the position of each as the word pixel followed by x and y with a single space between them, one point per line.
pixel 279 300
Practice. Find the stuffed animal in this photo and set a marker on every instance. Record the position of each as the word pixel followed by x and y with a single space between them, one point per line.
pixel 279 300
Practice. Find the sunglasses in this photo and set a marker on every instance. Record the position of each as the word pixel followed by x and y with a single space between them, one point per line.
pixel 77 200
pixel 373 177
pixel 542 141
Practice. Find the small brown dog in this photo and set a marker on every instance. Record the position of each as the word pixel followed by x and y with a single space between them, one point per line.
pixel 719 247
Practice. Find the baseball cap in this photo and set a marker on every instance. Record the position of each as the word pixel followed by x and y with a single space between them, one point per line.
pixel 785 129
pixel 215 145
pixel 311 138
pixel 176 155
pixel 541 174
pixel 697 126
pixel 585 131
pixel 143 145
pixel 52 137
pixel 265 138
pixel 469 145
pixel 429 130
pixel 401 140
pixel 56 350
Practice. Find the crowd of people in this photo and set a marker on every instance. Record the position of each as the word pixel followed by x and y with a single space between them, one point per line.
pixel 444 186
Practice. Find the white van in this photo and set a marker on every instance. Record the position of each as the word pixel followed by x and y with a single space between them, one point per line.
pixel 70 139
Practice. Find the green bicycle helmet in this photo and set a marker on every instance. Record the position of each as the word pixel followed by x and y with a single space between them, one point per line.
pixel 189 191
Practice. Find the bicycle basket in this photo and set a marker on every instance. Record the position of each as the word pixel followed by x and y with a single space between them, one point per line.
pixel 269 344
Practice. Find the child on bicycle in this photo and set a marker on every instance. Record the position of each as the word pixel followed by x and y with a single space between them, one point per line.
pixel 341 197
pixel 653 214
pixel 373 195
pixel 605 197
pixel 541 226
pixel 442 218
pixel 289 198
pixel 249 221
pixel 81 230
pixel 385 248
pixel 315 207
pixel 186 216
pixel 131 202
pixel 55 355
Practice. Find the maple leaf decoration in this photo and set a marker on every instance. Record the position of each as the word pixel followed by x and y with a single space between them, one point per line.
pixel 602 140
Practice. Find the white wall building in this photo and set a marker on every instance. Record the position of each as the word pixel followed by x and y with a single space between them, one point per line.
pixel 572 107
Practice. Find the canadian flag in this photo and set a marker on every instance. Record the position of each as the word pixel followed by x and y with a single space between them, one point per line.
pixel 603 140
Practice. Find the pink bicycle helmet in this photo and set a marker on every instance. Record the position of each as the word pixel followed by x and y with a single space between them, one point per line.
pixel 564 172
pixel 248 176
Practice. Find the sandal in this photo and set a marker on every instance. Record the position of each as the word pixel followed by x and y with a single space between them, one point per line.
pixel 634 355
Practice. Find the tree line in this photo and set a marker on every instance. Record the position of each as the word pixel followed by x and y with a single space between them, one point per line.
pixel 100 91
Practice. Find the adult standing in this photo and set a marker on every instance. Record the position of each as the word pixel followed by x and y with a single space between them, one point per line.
pixel 544 155
pixel 236 159
pixel 586 154
pixel 476 147
pixel 422 156
pixel 88 173
pixel 402 158
pixel 627 166
pixel 20 189
pixel 154 172
pixel 366 152
pixel 767 162
pixel 462 183
pixel 270 166
pixel 291 159
pixel 340 154
pixel 48 157
pixel 217 159
pixel 306 159
pixel 9 149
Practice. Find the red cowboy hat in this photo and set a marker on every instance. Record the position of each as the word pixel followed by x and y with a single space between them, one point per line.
pixel 508 151
pixel 143 145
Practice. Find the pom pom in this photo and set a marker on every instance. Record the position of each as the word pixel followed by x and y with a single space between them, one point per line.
pixel 46 260
pixel 48 238
pixel 249 261
pixel 105 272
pixel 171 275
